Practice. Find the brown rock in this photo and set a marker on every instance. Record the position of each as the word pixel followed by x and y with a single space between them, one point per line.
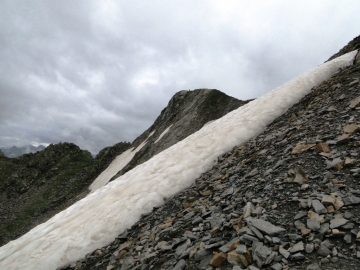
pixel 313 215
pixel 350 161
pixel 237 259
pixel 206 193
pixel 351 128
pixel 164 226
pixel 300 176
pixel 301 147
pixel 305 231
pixel 127 245
pixel 322 148
pixel 328 200
pixel 338 203
pixel 356 81
pixel 121 254
pixel 330 209
pixel 343 139
pixel 218 259
pixel 354 103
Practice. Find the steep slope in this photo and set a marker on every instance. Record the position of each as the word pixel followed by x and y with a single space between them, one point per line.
pixel 33 187
pixel 186 113
pixel 287 199
pixel 109 210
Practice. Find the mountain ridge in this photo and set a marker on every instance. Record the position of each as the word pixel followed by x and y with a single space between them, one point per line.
pixel 35 186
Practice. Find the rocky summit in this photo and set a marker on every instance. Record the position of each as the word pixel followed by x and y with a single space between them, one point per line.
pixel 186 113
pixel 287 199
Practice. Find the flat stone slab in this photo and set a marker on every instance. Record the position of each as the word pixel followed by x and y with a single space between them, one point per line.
pixel 351 200
pixel 313 224
pixel 318 207
pixel 338 222
pixel 265 226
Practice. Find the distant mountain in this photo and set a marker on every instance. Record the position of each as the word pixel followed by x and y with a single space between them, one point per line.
pixel 15 151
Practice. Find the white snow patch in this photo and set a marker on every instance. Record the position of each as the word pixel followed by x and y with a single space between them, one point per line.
pixel 98 218
pixel 163 133
pixel 116 165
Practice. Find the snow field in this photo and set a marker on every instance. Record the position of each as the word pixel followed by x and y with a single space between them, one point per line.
pixel 98 218
pixel 116 165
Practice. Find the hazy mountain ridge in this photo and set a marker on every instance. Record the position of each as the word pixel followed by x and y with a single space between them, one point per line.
pixel 15 151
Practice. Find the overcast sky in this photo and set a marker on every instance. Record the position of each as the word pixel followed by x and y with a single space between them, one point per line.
pixel 99 72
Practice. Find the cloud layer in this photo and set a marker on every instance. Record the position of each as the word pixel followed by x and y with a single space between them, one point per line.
pixel 99 72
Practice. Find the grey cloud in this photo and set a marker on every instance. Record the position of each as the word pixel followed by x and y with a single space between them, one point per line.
pixel 99 72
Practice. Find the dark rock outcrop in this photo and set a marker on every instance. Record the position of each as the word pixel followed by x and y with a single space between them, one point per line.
pixel 186 113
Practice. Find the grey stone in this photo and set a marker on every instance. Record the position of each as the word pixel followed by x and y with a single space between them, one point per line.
pixel 318 207
pixel 263 252
pixel 338 222
pixel 181 248
pixel 352 200
pixel 347 238
pixel 324 227
pixel 265 226
pixel 276 266
pixel 299 225
pixel 300 215
pixel 241 249
pixel 180 265
pixel 271 257
pixel 284 252
pixel 313 224
pixel 225 248
pixel 297 247
pixel 204 263
pixel 197 220
pixel 297 256
pixel 256 232
pixel 276 240
pixel 248 239
pixel 323 251
pixel 201 254
pixel 313 266
pixel 309 247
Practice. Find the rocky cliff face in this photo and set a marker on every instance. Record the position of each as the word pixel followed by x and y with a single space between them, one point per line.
pixel 186 113
pixel 287 199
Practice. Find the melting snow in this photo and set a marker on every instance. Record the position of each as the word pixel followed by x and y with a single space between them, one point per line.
pixel 163 133
pixel 98 218
pixel 115 166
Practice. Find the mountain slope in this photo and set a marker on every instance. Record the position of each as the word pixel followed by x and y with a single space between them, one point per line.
pixel 289 198
pixel 33 187
pixel 186 113
pixel 99 216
